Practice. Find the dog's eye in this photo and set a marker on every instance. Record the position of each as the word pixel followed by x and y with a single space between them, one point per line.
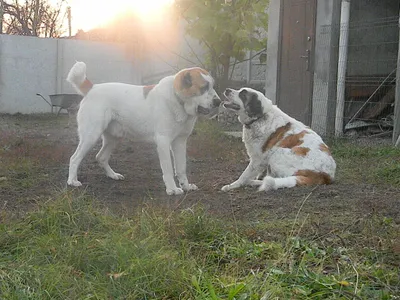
pixel 205 88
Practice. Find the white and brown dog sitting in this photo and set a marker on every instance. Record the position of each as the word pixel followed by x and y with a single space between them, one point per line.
pixel 164 113
pixel 288 151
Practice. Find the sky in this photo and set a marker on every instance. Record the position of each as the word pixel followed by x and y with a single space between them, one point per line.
pixel 89 14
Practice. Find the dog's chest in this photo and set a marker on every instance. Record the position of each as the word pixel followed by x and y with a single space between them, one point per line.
pixel 186 128
pixel 253 140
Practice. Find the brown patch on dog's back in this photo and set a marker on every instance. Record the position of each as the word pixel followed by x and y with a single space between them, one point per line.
pixel 325 148
pixel 309 177
pixel 293 140
pixel 188 83
pixel 147 89
pixel 275 137
pixel 300 151
pixel 86 86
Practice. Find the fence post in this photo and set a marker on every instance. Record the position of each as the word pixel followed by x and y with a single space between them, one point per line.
pixel 341 81
pixel 272 67
pixel 60 65
pixel 396 129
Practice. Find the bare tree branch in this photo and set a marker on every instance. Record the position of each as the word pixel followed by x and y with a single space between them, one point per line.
pixel 33 18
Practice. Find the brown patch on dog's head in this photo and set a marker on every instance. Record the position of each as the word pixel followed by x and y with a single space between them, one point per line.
pixel 293 140
pixel 191 82
pixel 276 136
pixel 300 151
pixel 309 177
pixel 86 86
pixel 325 148
pixel 147 89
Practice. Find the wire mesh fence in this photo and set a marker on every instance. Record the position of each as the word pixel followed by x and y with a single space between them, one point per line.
pixel 370 76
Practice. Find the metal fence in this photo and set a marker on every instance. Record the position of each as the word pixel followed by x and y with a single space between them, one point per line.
pixel 369 83
pixel 371 76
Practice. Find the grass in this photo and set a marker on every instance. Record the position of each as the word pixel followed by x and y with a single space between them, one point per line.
pixel 367 164
pixel 71 248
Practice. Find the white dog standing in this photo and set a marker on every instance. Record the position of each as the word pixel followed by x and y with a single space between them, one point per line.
pixel 164 113
pixel 291 153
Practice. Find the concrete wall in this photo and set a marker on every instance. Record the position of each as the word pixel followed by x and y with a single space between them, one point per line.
pixel 27 66
pixel 30 65
pixel 251 71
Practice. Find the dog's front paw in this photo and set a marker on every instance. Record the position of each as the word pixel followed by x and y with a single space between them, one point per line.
pixel 117 176
pixel 255 182
pixel 190 187
pixel 174 191
pixel 226 188
pixel 74 183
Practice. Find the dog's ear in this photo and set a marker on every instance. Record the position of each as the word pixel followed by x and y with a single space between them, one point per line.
pixel 186 80
pixel 253 106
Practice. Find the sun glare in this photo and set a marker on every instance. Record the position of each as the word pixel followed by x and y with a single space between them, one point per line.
pixel 89 14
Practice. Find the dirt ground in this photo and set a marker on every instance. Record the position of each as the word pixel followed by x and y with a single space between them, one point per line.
pixel 143 183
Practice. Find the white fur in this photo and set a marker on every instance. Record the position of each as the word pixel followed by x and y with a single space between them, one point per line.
pixel 280 163
pixel 110 110
pixel 77 75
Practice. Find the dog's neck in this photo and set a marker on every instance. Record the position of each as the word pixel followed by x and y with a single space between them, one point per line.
pixel 247 124
pixel 177 108
pixel 180 101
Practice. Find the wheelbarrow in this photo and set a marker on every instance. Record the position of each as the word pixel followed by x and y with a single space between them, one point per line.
pixel 63 101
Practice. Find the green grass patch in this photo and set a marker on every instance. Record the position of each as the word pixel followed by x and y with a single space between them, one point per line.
pixel 374 164
pixel 71 248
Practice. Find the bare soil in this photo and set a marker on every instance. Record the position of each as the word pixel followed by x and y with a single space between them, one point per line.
pixel 209 166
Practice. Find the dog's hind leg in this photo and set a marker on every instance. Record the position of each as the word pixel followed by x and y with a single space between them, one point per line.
pixel 301 177
pixel 271 183
pixel 109 144
pixel 85 144
pixel 89 130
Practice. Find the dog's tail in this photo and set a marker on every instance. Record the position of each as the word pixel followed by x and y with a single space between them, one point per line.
pixel 77 77
pixel 301 177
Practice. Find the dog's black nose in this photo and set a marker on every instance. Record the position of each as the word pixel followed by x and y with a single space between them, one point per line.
pixel 216 101
pixel 227 92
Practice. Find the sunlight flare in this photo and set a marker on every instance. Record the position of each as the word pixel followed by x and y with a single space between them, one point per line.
pixel 89 14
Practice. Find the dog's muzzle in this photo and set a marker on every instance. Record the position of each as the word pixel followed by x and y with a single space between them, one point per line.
pixel 228 103
pixel 216 102
pixel 227 92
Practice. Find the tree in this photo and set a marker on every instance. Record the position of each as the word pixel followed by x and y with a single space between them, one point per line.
pixel 227 28
pixel 33 18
